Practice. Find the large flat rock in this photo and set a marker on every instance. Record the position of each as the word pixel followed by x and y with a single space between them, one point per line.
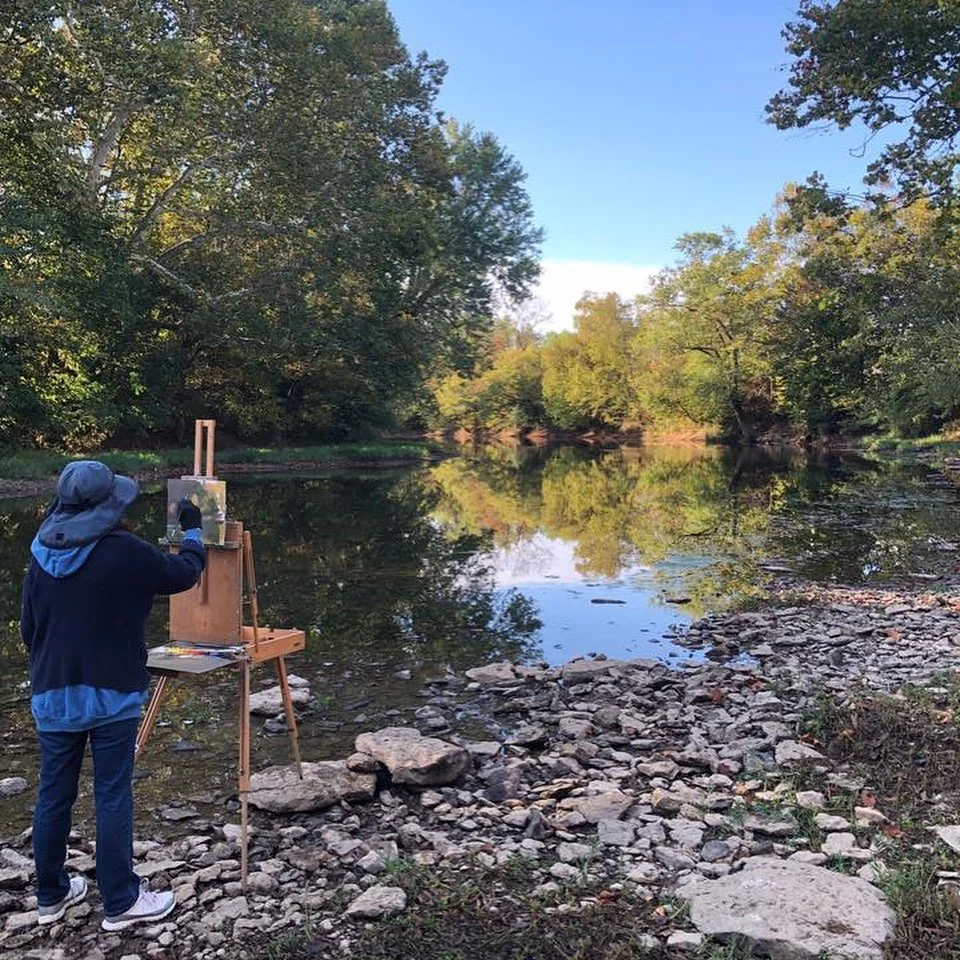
pixel 280 790
pixel 414 759
pixel 269 702
pixel 793 911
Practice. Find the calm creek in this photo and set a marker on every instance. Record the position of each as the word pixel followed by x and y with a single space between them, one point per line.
pixel 517 554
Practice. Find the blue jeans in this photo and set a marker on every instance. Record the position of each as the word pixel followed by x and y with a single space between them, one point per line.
pixel 61 755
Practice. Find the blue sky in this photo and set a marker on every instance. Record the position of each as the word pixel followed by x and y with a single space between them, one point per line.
pixel 636 120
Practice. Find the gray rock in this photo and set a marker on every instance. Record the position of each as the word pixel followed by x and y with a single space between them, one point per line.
pixel 659 768
pixel 790 752
pixel 565 871
pixel 838 844
pixel 950 835
pixel 493 674
pixel 226 910
pixel 280 790
pixel 268 703
pixel 20 921
pixel 793 911
pixel 376 902
pixel 573 852
pixel 579 671
pixel 868 817
pixel 611 805
pixel 529 735
pixel 831 824
pixel 770 828
pixel 575 728
pixel 361 763
pixel 413 759
pixel 615 833
pixel 151 867
pixel 372 862
pixel 808 856
pixel 11 786
pixel 685 941
pixel 260 882
pixel 714 850
pixel 811 800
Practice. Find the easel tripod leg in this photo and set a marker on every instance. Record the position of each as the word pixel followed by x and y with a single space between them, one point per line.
pixel 244 770
pixel 291 716
pixel 150 716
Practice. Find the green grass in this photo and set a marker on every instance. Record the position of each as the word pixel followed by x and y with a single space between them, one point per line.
pixel 891 443
pixel 44 464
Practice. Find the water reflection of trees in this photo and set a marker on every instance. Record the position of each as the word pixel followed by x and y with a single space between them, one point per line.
pixel 366 568
pixel 825 515
pixel 360 562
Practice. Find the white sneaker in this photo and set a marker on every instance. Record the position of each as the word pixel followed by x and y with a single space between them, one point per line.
pixel 148 906
pixel 53 913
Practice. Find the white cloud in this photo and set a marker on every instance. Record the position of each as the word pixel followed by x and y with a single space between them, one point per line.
pixel 563 283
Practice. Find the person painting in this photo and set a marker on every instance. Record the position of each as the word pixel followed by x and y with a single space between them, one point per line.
pixel 86 597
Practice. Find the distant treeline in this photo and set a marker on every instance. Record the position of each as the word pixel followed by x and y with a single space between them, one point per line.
pixel 833 315
pixel 828 318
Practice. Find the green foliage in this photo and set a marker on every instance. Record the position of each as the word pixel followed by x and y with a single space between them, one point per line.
pixel 886 64
pixel 586 380
pixel 235 206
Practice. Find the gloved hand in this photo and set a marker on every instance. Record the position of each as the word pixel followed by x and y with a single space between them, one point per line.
pixel 189 516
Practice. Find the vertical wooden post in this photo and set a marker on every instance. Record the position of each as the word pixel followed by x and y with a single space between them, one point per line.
pixel 244 767
pixel 211 428
pixel 250 574
pixel 203 442
pixel 197 446
pixel 149 717
pixel 291 716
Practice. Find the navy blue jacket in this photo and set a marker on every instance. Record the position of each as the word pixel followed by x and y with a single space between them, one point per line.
pixel 84 621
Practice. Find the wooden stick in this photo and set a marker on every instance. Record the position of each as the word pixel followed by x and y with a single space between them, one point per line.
pixel 197 446
pixel 251 578
pixel 291 716
pixel 244 771
pixel 211 429
pixel 149 717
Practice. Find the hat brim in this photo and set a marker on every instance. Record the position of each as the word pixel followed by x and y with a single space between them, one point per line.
pixel 125 490
pixel 64 528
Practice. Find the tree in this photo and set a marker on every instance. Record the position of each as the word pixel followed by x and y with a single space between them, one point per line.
pixel 294 237
pixel 892 65
pixel 586 374
pixel 700 344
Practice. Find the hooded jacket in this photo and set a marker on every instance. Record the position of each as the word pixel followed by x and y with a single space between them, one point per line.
pixel 83 619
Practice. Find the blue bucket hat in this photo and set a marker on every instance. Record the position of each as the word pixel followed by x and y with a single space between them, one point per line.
pixel 90 502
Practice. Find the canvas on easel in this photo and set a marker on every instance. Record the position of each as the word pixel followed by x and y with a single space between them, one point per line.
pixel 202 489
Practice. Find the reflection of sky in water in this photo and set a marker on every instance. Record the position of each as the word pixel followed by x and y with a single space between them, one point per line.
pixel 544 569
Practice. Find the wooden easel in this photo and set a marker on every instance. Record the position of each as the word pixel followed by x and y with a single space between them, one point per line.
pixel 210 615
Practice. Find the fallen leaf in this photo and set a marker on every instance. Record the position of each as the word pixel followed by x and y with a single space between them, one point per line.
pixel 892 830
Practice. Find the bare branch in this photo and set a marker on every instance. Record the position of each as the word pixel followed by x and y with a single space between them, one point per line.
pixel 107 144
pixel 181 285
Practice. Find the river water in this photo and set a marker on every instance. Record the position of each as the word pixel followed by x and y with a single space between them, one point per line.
pixel 525 554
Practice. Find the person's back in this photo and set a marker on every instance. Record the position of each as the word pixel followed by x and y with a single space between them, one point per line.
pixel 86 598
pixel 83 621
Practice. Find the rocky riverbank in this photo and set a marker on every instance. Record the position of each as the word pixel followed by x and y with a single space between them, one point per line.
pixel 684 805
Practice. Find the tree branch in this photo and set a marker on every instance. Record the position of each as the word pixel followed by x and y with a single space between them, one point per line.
pixel 107 144
pixel 158 205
